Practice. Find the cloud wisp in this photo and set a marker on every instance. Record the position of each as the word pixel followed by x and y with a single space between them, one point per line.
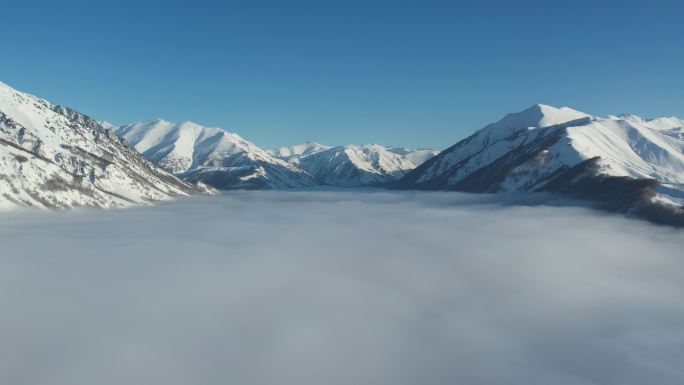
pixel 340 288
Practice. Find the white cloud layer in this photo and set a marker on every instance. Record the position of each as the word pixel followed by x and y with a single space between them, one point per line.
pixel 340 288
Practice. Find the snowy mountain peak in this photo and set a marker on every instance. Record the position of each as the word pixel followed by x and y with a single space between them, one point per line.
pixel 632 117
pixel 303 149
pixel 353 165
pixel 370 147
pixel 538 115
pixel 212 155
pixel 617 160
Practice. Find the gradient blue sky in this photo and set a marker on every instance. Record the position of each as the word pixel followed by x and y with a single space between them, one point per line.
pixel 411 73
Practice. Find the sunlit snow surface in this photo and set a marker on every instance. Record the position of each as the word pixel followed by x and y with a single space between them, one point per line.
pixel 340 288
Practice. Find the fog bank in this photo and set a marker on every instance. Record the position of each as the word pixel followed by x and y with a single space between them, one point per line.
pixel 340 288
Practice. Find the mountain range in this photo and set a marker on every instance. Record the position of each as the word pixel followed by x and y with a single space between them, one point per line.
pixel 624 163
pixel 212 155
pixel 226 161
pixel 370 165
pixel 52 156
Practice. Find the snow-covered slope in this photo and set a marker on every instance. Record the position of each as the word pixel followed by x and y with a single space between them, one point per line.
pixel 292 154
pixel 212 155
pixel 559 149
pixel 352 165
pixel 54 157
pixel 416 157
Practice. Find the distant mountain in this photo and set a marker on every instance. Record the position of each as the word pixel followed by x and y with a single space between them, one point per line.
pixel 416 157
pixel 212 155
pixel 54 157
pixel 294 153
pixel 625 162
pixel 352 165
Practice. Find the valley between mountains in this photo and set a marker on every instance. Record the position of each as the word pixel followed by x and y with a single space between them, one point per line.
pixel 55 157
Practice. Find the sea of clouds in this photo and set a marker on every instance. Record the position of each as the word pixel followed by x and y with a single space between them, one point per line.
pixel 340 288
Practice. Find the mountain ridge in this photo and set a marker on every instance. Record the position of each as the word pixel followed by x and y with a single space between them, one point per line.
pixel 369 165
pixel 55 157
pixel 52 156
pixel 212 155
pixel 567 156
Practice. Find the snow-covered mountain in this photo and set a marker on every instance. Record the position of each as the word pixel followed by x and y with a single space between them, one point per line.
pixel 54 157
pixel 212 155
pixel 352 165
pixel 294 153
pixel 416 157
pixel 622 161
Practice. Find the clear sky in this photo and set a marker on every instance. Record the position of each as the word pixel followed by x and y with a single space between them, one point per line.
pixel 411 73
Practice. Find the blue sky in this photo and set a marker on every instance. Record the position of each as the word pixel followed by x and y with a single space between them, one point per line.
pixel 411 73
